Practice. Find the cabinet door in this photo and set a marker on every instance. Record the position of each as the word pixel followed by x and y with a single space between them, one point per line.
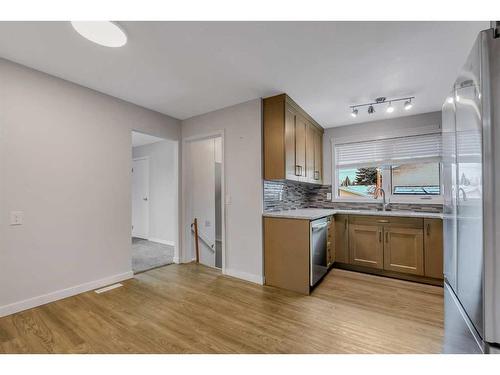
pixel 331 241
pixel 318 157
pixel 404 250
pixel 310 142
pixel 366 246
pixel 341 236
pixel 300 147
pixel 433 248
pixel 290 169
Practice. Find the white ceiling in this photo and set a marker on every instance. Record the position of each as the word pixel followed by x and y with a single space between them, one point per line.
pixel 141 139
pixel 188 68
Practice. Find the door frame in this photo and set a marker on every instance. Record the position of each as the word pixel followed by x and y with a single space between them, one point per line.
pixel 149 191
pixel 186 240
pixel 177 180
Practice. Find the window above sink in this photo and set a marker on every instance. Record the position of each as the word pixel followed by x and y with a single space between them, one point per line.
pixel 408 169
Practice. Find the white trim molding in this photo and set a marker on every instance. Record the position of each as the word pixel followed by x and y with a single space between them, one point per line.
pixel 63 293
pixel 257 279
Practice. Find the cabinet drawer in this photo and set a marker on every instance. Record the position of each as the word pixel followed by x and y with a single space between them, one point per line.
pixel 404 222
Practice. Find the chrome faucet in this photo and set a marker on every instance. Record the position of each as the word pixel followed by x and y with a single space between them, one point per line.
pixel 385 205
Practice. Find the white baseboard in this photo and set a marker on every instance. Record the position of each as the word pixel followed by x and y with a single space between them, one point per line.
pixel 177 260
pixel 63 293
pixel 164 242
pixel 257 279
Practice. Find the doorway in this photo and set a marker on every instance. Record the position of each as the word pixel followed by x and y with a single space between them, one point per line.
pixel 154 185
pixel 205 191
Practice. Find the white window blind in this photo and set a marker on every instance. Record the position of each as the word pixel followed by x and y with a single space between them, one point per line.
pixel 402 150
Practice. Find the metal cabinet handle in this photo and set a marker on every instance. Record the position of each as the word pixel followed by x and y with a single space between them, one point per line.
pixel 345 225
pixel 380 236
pixel 387 237
pixel 298 170
pixel 428 229
pixel 382 221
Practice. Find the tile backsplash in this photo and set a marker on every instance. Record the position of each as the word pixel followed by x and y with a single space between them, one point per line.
pixel 286 195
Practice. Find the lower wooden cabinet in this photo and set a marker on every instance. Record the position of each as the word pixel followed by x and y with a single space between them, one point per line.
pixel 390 245
pixel 286 253
pixel 341 243
pixel 433 247
pixel 404 250
pixel 330 246
pixel 366 246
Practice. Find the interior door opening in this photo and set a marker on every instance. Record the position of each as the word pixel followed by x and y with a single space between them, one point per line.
pixel 204 199
pixel 154 201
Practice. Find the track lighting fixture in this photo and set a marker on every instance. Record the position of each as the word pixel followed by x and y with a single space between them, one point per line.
pixel 408 104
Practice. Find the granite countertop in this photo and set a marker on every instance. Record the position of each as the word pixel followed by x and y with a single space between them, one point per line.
pixel 317 213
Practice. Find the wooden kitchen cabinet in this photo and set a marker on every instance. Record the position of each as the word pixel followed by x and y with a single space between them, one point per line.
pixel 331 241
pixel 366 246
pixel 310 137
pixel 300 147
pixel 286 253
pixel 341 238
pixel 318 157
pixel 273 168
pixel 292 148
pixel 404 250
pixel 433 248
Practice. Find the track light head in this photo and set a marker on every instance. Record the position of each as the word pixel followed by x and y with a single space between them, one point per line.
pixel 354 112
pixel 390 108
pixel 371 110
pixel 408 105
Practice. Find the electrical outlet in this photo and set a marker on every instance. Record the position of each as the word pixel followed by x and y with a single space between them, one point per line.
pixel 329 196
pixel 16 217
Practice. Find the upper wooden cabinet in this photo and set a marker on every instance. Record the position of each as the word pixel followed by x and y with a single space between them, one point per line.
pixel 293 142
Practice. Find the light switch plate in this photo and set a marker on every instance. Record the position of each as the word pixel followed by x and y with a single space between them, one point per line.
pixel 329 196
pixel 16 217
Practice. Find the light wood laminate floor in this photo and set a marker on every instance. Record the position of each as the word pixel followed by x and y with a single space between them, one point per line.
pixel 194 309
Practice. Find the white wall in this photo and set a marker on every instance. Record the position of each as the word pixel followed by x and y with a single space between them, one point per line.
pixel 162 189
pixel 396 127
pixel 65 161
pixel 242 150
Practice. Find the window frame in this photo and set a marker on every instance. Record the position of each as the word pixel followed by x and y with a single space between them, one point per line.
pixel 386 181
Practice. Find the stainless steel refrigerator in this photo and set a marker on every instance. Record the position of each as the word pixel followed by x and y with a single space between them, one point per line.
pixel 471 189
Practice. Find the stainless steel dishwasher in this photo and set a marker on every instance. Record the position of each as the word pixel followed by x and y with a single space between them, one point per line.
pixel 319 238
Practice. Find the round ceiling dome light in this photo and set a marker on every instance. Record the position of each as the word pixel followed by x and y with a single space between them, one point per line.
pixel 104 33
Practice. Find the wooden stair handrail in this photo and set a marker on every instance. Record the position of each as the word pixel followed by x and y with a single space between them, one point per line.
pixel 195 224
